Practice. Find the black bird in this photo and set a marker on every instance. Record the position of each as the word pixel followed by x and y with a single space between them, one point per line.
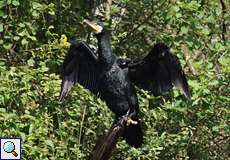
pixel 113 78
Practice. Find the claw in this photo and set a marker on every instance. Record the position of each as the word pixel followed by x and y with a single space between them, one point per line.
pixel 130 121
pixel 127 120
pixel 127 114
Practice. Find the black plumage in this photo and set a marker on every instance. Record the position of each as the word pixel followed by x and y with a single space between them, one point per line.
pixel 80 65
pixel 159 71
pixel 113 78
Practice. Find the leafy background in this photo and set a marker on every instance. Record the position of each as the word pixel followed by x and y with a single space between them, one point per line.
pixel 197 31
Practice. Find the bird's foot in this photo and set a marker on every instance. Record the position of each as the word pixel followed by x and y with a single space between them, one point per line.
pixel 126 120
pixel 130 121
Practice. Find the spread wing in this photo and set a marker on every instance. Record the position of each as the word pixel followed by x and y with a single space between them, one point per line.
pixel 159 71
pixel 79 66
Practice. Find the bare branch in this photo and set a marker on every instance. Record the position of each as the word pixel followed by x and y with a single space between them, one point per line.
pixel 188 59
pixel 106 144
pixel 224 30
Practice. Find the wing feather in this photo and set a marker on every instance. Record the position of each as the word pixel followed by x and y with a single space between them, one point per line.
pixel 159 71
pixel 79 66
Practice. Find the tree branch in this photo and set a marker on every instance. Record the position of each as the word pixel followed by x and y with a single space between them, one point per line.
pixel 188 59
pixel 224 30
pixel 106 144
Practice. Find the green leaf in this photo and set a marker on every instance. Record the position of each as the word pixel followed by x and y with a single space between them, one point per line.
pixel 44 69
pixel 184 30
pixel 49 143
pixel 224 61
pixel 33 38
pixel 35 13
pixel 205 31
pixel 1 27
pixel 215 128
pixel 37 5
pixel 178 15
pixel 24 33
pixel 15 3
pixel 16 38
pixel 1 13
pixel 5 16
pixel 211 19
pixel 30 62
pixel 8 1
pixel 51 12
pixel 2 3
pixel 175 8
pixel 3 110
pixel 22 25
pixel 219 46
pixel 24 41
pixel 8 46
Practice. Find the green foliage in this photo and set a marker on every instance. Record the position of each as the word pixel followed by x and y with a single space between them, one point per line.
pixel 30 63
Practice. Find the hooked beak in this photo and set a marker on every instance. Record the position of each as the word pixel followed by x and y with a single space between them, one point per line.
pixel 94 26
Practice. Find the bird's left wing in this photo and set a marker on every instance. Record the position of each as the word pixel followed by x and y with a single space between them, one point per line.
pixel 159 71
pixel 79 66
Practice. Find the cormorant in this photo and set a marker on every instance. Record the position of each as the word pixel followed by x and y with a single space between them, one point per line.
pixel 113 78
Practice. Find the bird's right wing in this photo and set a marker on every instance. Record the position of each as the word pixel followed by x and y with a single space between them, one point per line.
pixel 79 66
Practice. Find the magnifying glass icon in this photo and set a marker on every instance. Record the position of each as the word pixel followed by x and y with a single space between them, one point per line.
pixel 9 147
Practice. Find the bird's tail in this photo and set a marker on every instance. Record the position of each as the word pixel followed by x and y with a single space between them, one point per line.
pixel 133 134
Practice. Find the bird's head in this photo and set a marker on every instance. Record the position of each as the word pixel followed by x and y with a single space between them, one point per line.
pixel 160 47
pixel 96 28
pixel 64 41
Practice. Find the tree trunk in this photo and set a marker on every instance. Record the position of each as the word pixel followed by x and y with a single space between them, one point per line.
pixel 106 144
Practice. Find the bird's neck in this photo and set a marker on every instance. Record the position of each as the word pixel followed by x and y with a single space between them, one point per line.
pixel 106 57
